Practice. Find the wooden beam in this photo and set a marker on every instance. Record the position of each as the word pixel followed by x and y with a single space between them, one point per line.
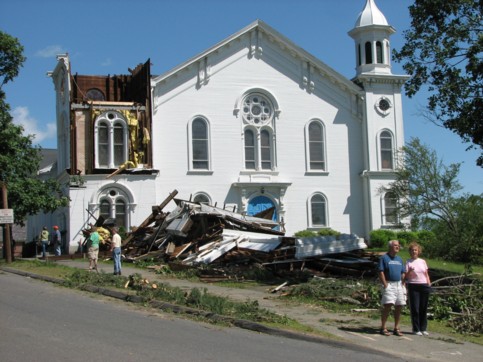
pixel 151 217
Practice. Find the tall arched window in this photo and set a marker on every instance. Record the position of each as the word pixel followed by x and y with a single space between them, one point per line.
pixel 103 144
pixel 368 49
pixel 258 114
pixel 266 150
pixel 316 146
pixel 379 53
pixel 386 150
pixel 318 211
pixel 120 214
pixel 200 152
pixel 390 204
pixel 250 162
pixel 105 209
pixel 110 135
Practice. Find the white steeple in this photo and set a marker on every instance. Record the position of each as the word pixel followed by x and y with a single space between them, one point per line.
pixel 371 34
pixel 371 15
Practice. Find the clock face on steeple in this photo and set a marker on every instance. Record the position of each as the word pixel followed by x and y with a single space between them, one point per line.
pixel 383 106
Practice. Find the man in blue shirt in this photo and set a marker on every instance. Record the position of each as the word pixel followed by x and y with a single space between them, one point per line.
pixel 391 274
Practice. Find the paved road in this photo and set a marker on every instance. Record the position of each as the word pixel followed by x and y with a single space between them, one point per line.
pixel 40 321
pixel 349 327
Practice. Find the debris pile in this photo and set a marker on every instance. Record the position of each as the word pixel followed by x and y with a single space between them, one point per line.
pixel 196 234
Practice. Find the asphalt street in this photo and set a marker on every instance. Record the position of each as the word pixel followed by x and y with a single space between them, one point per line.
pixel 349 328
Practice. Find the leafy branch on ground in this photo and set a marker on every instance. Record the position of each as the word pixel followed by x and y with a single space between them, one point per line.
pixel 195 298
pixel 459 299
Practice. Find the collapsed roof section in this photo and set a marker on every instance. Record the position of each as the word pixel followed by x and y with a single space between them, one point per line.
pixel 199 234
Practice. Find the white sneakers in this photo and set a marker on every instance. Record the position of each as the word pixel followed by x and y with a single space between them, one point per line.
pixel 423 333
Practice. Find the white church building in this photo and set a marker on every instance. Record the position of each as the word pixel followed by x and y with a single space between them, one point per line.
pixel 251 123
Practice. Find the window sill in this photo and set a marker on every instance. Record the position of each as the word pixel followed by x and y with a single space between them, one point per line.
pixel 317 227
pixel 316 173
pixel 200 172
pixel 259 172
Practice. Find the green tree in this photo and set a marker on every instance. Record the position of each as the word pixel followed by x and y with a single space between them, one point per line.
pixel 443 50
pixel 11 59
pixel 467 245
pixel 19 160
pixel 428 194
pixel 424 186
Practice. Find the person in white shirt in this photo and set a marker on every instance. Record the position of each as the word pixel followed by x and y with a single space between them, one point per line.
pixel 419 288
pixel 116 251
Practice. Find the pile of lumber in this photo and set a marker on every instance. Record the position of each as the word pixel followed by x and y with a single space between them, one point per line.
pixel 195 234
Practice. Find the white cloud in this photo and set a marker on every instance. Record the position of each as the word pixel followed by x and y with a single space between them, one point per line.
pixel 30 125
pixel 50 51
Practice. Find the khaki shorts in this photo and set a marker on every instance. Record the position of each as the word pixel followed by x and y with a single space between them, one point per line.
pixel 395 293
pixel 93 253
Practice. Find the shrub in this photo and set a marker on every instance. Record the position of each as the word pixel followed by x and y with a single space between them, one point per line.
pixel 305 234
pixel 380 237
pixel 405 237
pixel 327 232
pixel 427 239
pixel 321 232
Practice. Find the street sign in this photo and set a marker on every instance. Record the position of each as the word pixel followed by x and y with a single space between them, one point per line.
pixel 6 216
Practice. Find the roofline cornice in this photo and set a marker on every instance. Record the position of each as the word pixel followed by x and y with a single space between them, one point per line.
pixel 381 78
pixel 274 36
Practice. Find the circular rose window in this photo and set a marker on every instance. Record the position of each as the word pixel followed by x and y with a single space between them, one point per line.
pixel 257 109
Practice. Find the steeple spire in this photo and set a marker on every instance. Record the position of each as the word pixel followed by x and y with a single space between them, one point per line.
pixel 371 15
pixel 371 34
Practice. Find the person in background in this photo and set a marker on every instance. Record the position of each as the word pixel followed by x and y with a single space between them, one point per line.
pixel 419 288
pixel 116 251
pixel 44 239
pixel 391 275
pixel 93 250
pixel 57 241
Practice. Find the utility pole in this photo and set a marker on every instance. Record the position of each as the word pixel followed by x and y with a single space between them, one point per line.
pixel 7 243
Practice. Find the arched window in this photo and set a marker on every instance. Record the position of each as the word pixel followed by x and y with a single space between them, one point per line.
pixel 359 59
pixel 200 144
pixel 202 198
pixel 95 94
pixel 250 163
pixel 266 150
pixel 105 209
pixel 379 54
pixel 316 146
pixel 110 135
pixel 368 49
pixel 113 205
pixel 386 150
pixel 258 114
pixel 120 214
pixel 318 211
pixel 390 204
pixel 103 144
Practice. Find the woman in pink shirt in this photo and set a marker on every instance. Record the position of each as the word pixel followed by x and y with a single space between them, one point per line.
pixel 419 287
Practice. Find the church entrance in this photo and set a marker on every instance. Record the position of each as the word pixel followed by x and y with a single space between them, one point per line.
pixel 261 203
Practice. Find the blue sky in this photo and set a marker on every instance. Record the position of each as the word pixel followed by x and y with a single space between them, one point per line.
pixel 109 36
